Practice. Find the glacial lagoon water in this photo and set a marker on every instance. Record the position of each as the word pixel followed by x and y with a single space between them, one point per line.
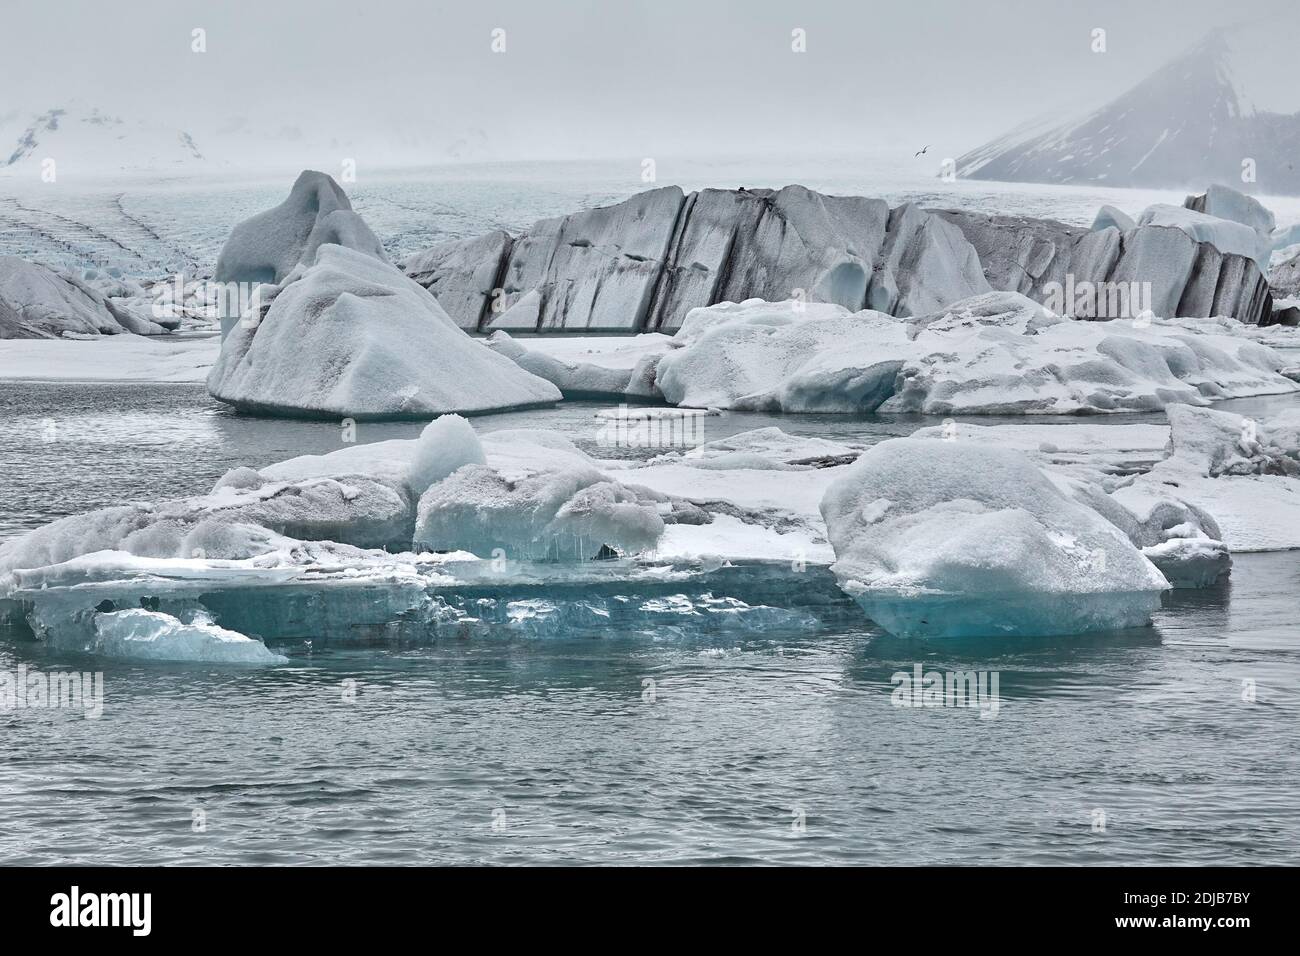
pixel 674 732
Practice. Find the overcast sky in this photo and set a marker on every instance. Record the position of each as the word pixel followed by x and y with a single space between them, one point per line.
pixel 397 81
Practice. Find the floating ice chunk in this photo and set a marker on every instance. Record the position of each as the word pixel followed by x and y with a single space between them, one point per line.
pixel 1190 559
pixel 567 514
pixel 138 634
pixel 1179 538
pixel 1216 443
pixel 232 523
pixel 1086 459
pixel 941 539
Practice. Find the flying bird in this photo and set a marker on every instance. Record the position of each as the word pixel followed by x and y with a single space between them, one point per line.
pixel 921 152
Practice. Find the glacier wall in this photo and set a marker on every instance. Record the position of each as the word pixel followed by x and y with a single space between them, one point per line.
pixel 643 264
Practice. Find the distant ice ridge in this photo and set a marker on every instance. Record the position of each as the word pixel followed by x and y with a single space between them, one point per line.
pixel 338 332
pixel 88 140
pixel 943 539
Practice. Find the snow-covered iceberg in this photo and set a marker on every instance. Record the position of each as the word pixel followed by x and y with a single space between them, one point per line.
pixel 998 353
pixel 1090 462
pixel 947 539
pixel 350 336
pixel 335 331
pixel 1224 202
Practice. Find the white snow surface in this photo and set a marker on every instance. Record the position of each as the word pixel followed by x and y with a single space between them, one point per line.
pixel 1086 450
pixel 1246 474
pixel 109 358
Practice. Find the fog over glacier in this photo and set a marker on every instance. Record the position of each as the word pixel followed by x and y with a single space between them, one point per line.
pixel 418 82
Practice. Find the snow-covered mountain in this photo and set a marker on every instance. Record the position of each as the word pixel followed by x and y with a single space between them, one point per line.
pixel 1224 111
pixel 83 139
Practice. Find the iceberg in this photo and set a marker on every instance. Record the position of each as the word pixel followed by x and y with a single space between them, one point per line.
pixel 1088 462
pixel 336 331
pixel 645 264
pixel 943 539
pixel 998 353
pixel 463 275
pixel 349 336
pixel 1224 202
pixel 533 495
pixel 570 514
